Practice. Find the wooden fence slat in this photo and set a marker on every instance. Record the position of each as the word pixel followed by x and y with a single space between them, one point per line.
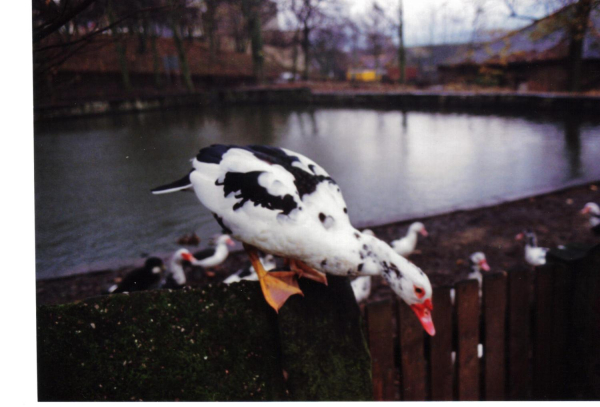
pixel 381 343
pixel 590 371
pixel 467 315
pixel 412 356
pixel 518 324
pixel 560 328
pixel 543 367
pixel 440 367
pixel 494 317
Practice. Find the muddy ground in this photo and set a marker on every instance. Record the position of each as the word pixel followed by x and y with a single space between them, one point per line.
pixel 443 255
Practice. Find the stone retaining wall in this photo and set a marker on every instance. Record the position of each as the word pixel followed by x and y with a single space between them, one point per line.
pixel 493 102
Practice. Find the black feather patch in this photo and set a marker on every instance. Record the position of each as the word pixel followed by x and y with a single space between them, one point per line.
pixel 245 186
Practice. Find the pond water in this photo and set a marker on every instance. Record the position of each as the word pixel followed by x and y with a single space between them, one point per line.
pixel 93 175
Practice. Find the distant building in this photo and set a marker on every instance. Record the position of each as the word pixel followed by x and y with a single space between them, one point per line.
pixel 535 58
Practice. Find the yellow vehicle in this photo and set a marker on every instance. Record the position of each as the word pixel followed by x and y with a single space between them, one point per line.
pixel 363 75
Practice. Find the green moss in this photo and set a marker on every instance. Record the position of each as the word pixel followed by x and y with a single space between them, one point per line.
pixel 221 343
pixel 324 350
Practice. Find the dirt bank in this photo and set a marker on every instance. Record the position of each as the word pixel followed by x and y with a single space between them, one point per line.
pixel 443 256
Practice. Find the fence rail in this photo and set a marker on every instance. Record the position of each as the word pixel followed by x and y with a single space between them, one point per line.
pixel 538 329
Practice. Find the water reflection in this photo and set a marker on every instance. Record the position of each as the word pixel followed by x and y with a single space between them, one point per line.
pixel 93 175
pixel 573 146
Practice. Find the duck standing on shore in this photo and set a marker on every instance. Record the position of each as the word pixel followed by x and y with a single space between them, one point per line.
pixel 248 273
pixel 593 210
pixel 213 256
pixel 534 255
pixel 175 276
pixel 477 262
pixel 283 203
pixel 406 245
pixel 140 279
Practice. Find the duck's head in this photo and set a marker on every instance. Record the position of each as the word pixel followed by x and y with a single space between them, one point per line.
pixel 223 239
pixel 182 255
pixel 591 207
pixel 529 236
pixel 418 227
pixel 155 265
pixel 412 285
pixel 479 261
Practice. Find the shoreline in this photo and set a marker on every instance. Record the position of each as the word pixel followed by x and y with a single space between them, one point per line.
pixel 455 234
pixel 489 101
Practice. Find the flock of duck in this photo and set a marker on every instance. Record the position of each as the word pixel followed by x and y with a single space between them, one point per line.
pixel 281 203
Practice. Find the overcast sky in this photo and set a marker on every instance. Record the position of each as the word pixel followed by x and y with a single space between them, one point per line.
pixel 447 21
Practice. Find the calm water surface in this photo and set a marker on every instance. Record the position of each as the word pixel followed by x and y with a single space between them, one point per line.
pixel 93 175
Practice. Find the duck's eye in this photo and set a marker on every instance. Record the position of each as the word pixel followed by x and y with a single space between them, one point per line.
pixel 420 292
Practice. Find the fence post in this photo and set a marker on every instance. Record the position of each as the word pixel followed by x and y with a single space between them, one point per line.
pixel 543 362
pixel 518 324
pixel 494 317
pixel 381 343
pixel 467 314
pixel 412 356
pixel 575 321
pixel 440 366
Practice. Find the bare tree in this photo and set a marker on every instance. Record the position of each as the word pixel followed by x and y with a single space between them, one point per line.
pixel 308 15
pixel 575 17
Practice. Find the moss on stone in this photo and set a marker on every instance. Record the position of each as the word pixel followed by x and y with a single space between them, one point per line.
pixel 217 344
pixel 324 350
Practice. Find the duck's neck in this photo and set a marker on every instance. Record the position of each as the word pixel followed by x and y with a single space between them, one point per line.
pixel 176 271
pixel 356 253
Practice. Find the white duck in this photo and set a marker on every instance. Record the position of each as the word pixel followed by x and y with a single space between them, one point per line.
pixel 248 273
pixel 477 262
pixel 175 275
pixel 534 255
pixel 406 245
pixel 285 204
pixel 594 211
pixel 213 256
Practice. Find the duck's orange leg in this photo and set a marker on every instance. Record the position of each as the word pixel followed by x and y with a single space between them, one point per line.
pixel 277 286
pixel 304 270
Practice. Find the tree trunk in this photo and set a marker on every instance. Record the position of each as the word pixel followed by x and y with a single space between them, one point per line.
pixel 578 29
pixel 155 60
pixel 305 49
pixel 401 55
pixel 257 48
pixel 295 55
pixel 121 51
pixel 185 69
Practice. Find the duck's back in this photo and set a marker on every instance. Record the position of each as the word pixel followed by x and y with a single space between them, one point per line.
pixel 258 192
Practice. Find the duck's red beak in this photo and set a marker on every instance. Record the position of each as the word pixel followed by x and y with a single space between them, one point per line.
pixel 519 236
pixel 423 312
pixel 230 242
pixel 188 257
pixel 424 232
pixel 484 265
pixel 585 210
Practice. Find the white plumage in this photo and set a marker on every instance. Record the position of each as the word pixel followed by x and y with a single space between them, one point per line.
pixel 214 256
pixel 407 245
pixel 285 204
pixel 248 273
pixel 534 255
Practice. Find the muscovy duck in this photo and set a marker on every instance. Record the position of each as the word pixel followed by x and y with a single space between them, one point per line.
pixel 593 210
pixel 248 273
pixel 140 279
pixel 534 255
pixel 283 203
pixel 406 245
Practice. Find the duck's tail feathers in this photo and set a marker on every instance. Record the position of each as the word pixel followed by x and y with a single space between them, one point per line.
pixel 179 185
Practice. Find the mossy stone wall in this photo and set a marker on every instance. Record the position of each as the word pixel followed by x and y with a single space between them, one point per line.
pixel 219 343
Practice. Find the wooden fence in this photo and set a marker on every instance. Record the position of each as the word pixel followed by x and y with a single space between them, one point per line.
pixel 539 331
